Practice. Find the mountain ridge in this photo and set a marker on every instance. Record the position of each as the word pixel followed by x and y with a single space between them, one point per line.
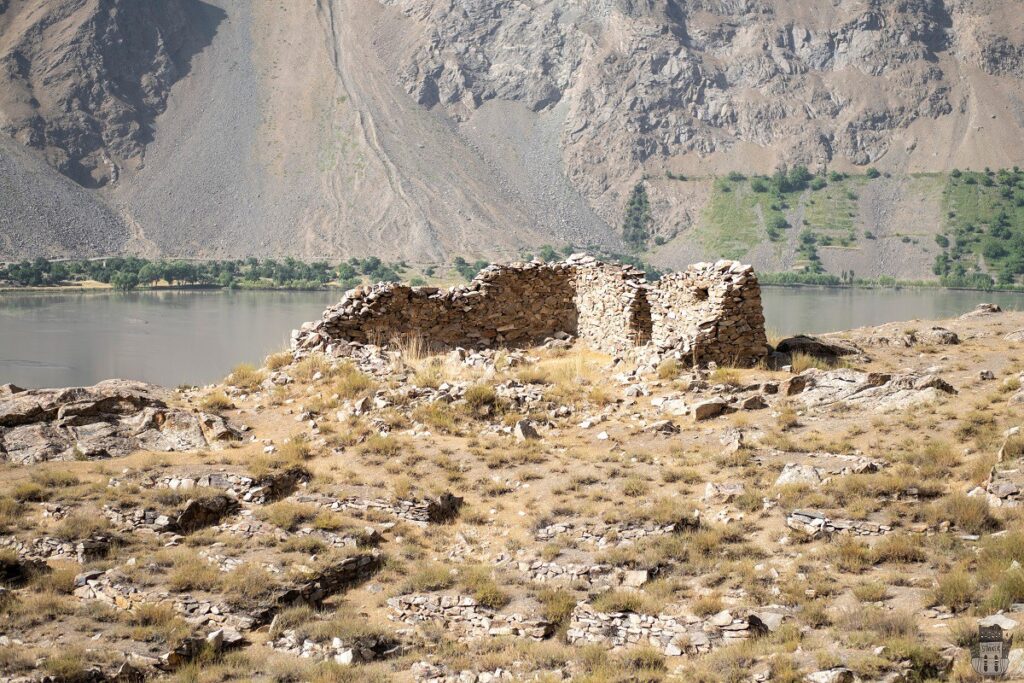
pixel 419 129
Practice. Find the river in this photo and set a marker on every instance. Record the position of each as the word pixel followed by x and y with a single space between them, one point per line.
pixel 185 337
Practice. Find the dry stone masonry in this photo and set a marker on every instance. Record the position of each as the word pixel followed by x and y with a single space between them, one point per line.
pixel 712 312
pixel 464 615
pixel 613 534
pixel 815 524
pixel 672 635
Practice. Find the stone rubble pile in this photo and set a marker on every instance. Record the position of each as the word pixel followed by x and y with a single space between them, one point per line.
pixel 195 514
pixel 1005 485
pixel 365 649
pixel 425 672
pixel 419 511
pixel 711 312
pixel 596 574
pixel 671 635
pixel 256 490
pixel 47 547
pixel 815 524
pixel 612 534
pixel 827 463
pixel 463 615
pixel 117 590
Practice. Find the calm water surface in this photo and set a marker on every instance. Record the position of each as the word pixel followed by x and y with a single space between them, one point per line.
pixel 176 337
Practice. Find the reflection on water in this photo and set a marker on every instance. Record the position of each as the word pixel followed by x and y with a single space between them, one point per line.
pixel 791 310
pixel 166 337
pixel 176 337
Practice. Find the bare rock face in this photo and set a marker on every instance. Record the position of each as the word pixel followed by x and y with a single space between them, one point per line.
pixel 874 390
pixel 643 80
pixel 84 79
pixel 110 419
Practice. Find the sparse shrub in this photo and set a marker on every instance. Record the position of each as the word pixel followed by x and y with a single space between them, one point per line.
pixel 287 514
pixel 60 581
pixel 635 486
pixel 787 418
pixel 29 492
pixel 66 664
pixel 850 554
pixel 157 623
pixel 191 572
pixel 245 376
pixel 216 401
pixel 276 361
pixel 80 525
pixel 53 478
pixel 429 576
pixel 247 585
pixel 1007 590
pixel 805 361
pixel 729 376
pixel 670 368
pixel 871 591
pixel 955 590
pixel 480 395
pixel 382 446
pixel 296 449
pixel 642 662
pixel 351 383
pixel 479 581
pixel 558 605
pixel 617 600
pixel 308 367
pixel 438 415
pixel 707 605
pixel 900 549
pixel 970 514
pixel 10 512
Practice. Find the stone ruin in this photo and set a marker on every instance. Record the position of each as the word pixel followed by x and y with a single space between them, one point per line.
pixel 710 312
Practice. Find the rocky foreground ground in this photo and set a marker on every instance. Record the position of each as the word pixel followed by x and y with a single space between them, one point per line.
pixel 544 514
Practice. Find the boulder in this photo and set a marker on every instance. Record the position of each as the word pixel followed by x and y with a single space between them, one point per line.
pixel 722 493
pixel 798 474
pixel 982 310
pixel 836 675
pixel 204 512
pixel 525 431
pixel 939 335
pixel 828 350
pixel 706 410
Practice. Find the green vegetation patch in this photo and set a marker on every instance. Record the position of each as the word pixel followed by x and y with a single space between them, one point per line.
pixel 983 231
pixel 731 225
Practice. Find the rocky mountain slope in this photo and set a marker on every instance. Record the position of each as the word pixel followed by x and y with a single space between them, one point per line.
pixel 426 129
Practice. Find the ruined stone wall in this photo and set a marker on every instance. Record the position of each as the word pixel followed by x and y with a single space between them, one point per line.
pixel 611 303
pixel 711 312
pixel 503 305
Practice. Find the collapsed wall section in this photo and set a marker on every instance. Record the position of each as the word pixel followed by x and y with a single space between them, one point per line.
pixel 710 312
pixel 505 305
